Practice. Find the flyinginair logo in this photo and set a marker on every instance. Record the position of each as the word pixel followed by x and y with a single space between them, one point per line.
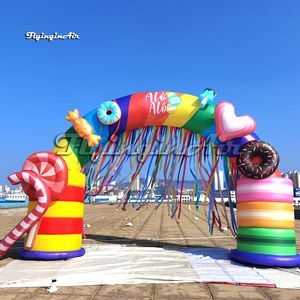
pixel 30 35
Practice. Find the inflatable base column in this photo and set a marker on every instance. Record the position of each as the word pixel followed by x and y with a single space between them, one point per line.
pixel 44 255
pixel 59 233
pixel 265 214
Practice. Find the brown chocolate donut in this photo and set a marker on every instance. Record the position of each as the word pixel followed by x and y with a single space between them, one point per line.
pixel 257 160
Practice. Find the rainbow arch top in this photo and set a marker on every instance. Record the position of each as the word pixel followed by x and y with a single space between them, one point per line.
pixel 155 109
pixel 265 220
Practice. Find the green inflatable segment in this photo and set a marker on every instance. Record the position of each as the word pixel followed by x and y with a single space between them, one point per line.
pixel 273 249
pixel 269 233
pixel 274 241
pixel 79 146
pixel 202 119
pixel 264 240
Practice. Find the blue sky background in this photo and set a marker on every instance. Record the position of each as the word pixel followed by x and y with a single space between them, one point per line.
pixel 248 51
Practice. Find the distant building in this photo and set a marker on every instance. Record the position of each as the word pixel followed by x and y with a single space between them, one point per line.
pixel 149 184
pixel 221 177
pixel 136 184
pixel 159 191
pixel 185 198
pixel 233 196
pixel 294 176
pixel 1 189
pixel 6 189
pixel 17 191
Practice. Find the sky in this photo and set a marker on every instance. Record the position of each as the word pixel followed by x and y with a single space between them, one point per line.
pixel 248 51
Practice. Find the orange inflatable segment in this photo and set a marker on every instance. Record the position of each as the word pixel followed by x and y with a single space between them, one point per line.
pixel 257 222
pixel 266 214
pixel 268 206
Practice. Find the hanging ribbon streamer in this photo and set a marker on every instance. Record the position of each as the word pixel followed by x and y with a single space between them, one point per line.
pixel 167 153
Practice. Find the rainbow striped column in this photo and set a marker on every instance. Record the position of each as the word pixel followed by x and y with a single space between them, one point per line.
pixel 60 232
pixel 265 216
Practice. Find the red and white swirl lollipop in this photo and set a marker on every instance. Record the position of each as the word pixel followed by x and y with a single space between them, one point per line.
pixel 52 168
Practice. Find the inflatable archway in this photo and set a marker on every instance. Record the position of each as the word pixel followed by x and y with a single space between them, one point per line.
pixel 56 181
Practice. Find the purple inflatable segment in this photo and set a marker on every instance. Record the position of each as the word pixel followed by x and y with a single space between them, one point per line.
pixel 41 255
pixel 231 148
pixel 265 259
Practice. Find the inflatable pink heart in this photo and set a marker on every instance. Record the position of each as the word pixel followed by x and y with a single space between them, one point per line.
pixel 228 125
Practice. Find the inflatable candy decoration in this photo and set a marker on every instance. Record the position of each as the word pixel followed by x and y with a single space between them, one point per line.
pixel 43 200
pixel 83 128
pixel 265 216
pixel 53 169
pixel 207 97
pixel 58 234
pixel 156 121
pixel 250 190
pixel 231 148
pixel 229 126
pixel 257 160
pixel 109 112
pixel 266 246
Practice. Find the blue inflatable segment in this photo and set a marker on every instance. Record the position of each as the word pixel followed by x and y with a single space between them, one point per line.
pixel 99 128
pixel 265 259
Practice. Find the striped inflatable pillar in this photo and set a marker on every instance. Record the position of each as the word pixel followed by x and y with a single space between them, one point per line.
pixel 265 216
pixel 60 231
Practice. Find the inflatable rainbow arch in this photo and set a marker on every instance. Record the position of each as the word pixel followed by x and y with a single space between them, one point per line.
pixel 91 154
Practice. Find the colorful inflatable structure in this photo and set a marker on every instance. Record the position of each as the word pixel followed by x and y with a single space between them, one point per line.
pixel 92 152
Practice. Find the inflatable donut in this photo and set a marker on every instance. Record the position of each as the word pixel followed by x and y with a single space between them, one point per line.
pixel 109 112
pixel 52 168
pixel 257 160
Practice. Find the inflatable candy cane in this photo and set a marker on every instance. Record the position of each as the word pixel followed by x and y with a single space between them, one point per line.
pixel 43 178
pixel 44 196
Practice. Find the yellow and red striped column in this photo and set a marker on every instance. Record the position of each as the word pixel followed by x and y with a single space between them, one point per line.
pixel 60 230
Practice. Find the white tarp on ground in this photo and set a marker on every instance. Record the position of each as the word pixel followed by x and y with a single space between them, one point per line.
pixel 133 265
pixel 214 265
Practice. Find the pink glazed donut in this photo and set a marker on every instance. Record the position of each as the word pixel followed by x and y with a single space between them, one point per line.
pixel 272 189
